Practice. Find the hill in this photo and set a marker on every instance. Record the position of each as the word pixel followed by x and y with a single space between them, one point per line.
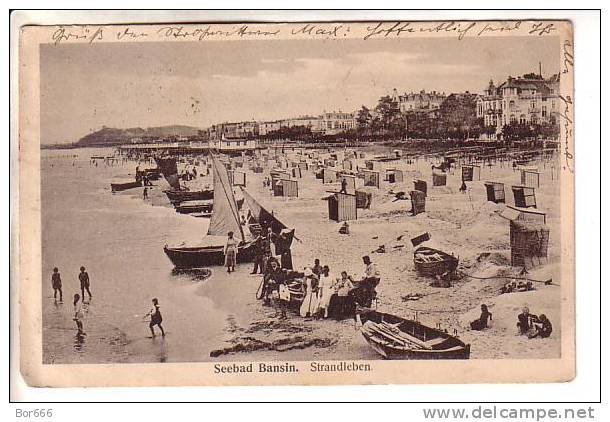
pixel 107 136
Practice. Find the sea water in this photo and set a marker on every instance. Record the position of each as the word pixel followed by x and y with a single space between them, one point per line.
pixel 119 238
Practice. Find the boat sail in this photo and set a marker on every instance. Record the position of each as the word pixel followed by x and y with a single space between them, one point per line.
pixel 177 193
pixel 263 220
pixel 225 219
pixel 260 215
pixel 170 171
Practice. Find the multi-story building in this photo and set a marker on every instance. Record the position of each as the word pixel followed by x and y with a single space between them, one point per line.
pixel 236 130
pixel 314 123
pixel 529 99
pixel 265 127
pixel 232 145
pixel 336 122
pixel 415 101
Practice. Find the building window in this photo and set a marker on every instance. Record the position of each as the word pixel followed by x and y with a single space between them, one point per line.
pixel 513 119
pixel 511 105
pixel 522 119
pixel 543 111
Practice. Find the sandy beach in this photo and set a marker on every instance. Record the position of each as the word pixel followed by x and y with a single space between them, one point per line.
pixel 119 237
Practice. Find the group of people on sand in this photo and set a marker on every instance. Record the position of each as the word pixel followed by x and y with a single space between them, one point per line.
pixel 324 294
pixel 78 302
pixel 527 324
pixel 78 299
pixel 265 246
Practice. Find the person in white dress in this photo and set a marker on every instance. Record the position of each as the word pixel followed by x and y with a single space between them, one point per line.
pixel 78 314
pixel 325 290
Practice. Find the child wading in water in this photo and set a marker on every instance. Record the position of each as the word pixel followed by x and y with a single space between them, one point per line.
pixel 155 318
pixel 56 283
pixel 78 314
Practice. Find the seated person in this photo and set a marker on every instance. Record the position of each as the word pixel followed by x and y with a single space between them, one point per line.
pixel 525 321
pixel 365 292
pixel 273 277
pixel 481 323
pixel 543 327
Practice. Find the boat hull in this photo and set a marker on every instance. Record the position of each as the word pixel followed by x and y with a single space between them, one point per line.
pixel 447 346
pixel 117 187
pixel 447 263
pixel 201 257
pixel 191 209
pixel 391 353
pixel 185 195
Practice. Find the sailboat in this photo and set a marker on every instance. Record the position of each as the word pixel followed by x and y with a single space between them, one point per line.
pixel 177 193
pixel 225 219
pixel 261 220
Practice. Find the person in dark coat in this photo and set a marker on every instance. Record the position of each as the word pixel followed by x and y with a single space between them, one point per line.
pixel 271 280
pixel 258 256
pixel 463 188
pixel 282 248
pixel 543 327
pixel 343 186
pixel 481 323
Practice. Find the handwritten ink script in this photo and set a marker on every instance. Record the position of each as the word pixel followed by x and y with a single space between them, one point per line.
pixel 374 30
pixel 207 31
pixel 568 64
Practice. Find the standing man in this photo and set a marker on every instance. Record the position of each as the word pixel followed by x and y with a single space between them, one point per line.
pixel 267 250
pixel 83 277
pixel 343 186
pixel 145 193
pixel 258 255
pixel 56 283
pixel 369 282
pixel 317 268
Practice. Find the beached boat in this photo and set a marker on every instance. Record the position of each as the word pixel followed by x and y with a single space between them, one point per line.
pixel 152 174
pixel 188 257
pixel 225 219
pixel 177 193
pixel 117 187
pixel 189 207
pixel 182 195
pixel 394 337
pixel 432 262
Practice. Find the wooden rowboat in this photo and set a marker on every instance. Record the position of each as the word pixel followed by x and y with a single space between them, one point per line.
pixel 432 262
pixel 176 196
pixel 117 187
pixel 398 338
pixel 189 207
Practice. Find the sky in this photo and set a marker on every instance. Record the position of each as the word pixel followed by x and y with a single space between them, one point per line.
pixel 84 87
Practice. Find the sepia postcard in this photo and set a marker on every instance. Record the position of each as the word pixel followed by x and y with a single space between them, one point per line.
pixel 309 203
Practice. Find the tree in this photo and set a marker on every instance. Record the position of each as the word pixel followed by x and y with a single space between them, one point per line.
pixel 549 130
pixel 391 120
pixel 517 131
pixel 364 118
pixel 458 117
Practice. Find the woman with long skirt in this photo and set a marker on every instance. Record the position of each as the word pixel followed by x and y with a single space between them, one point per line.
pixel 230 252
